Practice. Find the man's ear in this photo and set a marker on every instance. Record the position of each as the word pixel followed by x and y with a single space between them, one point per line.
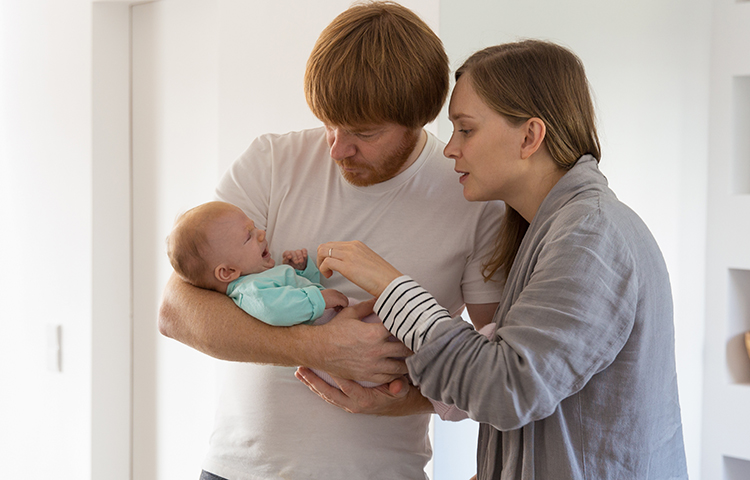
pixel 226 273
pixel 534 132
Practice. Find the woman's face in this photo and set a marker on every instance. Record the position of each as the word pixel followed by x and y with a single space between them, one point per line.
pixel 485 147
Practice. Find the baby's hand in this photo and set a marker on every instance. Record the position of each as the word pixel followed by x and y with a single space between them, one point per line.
pixel 297 259
pixel 334 299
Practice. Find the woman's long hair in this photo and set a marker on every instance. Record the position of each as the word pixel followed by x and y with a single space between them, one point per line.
pixel 528 79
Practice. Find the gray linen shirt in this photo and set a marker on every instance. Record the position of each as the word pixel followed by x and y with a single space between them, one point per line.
pixel 579 381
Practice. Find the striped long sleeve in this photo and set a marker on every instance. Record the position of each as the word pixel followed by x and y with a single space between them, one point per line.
pixel 409 312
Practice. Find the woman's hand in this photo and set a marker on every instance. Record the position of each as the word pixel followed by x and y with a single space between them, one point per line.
pixel 397 398
pixel 358 263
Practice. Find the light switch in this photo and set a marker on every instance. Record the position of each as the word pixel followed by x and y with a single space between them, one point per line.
pixel 54 348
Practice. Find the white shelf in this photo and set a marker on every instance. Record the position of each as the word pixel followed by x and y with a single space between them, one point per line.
pixel 726 401
pixel 738 362
pixel 736 469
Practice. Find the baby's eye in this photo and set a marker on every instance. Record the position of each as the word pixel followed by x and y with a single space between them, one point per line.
pixel 465 131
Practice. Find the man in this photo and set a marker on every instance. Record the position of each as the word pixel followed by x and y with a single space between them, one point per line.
pixel 375 77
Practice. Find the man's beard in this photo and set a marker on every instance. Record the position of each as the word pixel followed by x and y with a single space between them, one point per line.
pixel 370 175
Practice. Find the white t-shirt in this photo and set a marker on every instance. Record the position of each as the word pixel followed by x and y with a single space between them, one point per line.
pixel 268 424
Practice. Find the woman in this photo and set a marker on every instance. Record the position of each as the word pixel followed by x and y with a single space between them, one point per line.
pixel 578 381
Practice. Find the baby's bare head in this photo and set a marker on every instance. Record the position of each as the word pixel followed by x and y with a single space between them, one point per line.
pixel 189 244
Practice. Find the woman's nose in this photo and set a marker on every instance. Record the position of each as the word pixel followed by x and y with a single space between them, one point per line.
pixel 450 149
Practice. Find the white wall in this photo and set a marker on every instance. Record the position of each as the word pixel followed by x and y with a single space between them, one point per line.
pixel 45 237
pixel 174 168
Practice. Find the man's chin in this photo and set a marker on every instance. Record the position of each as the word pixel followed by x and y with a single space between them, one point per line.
pixel 358 179
pixel 365 178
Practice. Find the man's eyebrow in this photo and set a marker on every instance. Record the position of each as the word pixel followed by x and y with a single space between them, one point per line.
pixel 373 129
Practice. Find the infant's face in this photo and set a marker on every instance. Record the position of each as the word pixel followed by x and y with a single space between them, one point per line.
pixel 237 241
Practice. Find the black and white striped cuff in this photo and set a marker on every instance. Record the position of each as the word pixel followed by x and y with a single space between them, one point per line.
pixel 409 311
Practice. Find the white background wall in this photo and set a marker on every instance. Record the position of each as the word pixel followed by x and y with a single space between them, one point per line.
pixel 45 236
pixel 214 74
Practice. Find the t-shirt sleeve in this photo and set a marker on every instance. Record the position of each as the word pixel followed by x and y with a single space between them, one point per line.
pixel 473 286
pixel 247 182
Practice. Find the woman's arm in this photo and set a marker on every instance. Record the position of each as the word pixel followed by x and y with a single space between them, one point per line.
pixel 568 323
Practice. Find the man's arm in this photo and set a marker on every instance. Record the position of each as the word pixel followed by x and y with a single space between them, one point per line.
pixel 211 323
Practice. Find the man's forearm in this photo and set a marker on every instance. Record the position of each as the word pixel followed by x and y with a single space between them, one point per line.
pixel 211 323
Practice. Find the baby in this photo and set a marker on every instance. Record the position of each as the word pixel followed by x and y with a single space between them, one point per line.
pixel 217 247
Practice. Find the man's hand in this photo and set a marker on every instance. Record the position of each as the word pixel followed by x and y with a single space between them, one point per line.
pixel 397 398
pixel 348 348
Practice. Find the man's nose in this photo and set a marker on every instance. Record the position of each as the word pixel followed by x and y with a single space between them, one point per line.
pixel 341 145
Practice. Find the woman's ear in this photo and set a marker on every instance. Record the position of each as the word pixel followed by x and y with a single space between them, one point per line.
pixel 534 130
pixel 226 273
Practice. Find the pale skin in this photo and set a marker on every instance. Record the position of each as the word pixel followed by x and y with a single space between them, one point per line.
pixel 345 347
pixel 496 161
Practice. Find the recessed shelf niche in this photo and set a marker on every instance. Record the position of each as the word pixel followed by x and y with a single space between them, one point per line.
pixel 738 361
pixel 741 137
pixel 736 469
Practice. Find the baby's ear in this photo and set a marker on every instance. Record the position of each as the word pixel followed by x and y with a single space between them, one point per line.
pixel 226 273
